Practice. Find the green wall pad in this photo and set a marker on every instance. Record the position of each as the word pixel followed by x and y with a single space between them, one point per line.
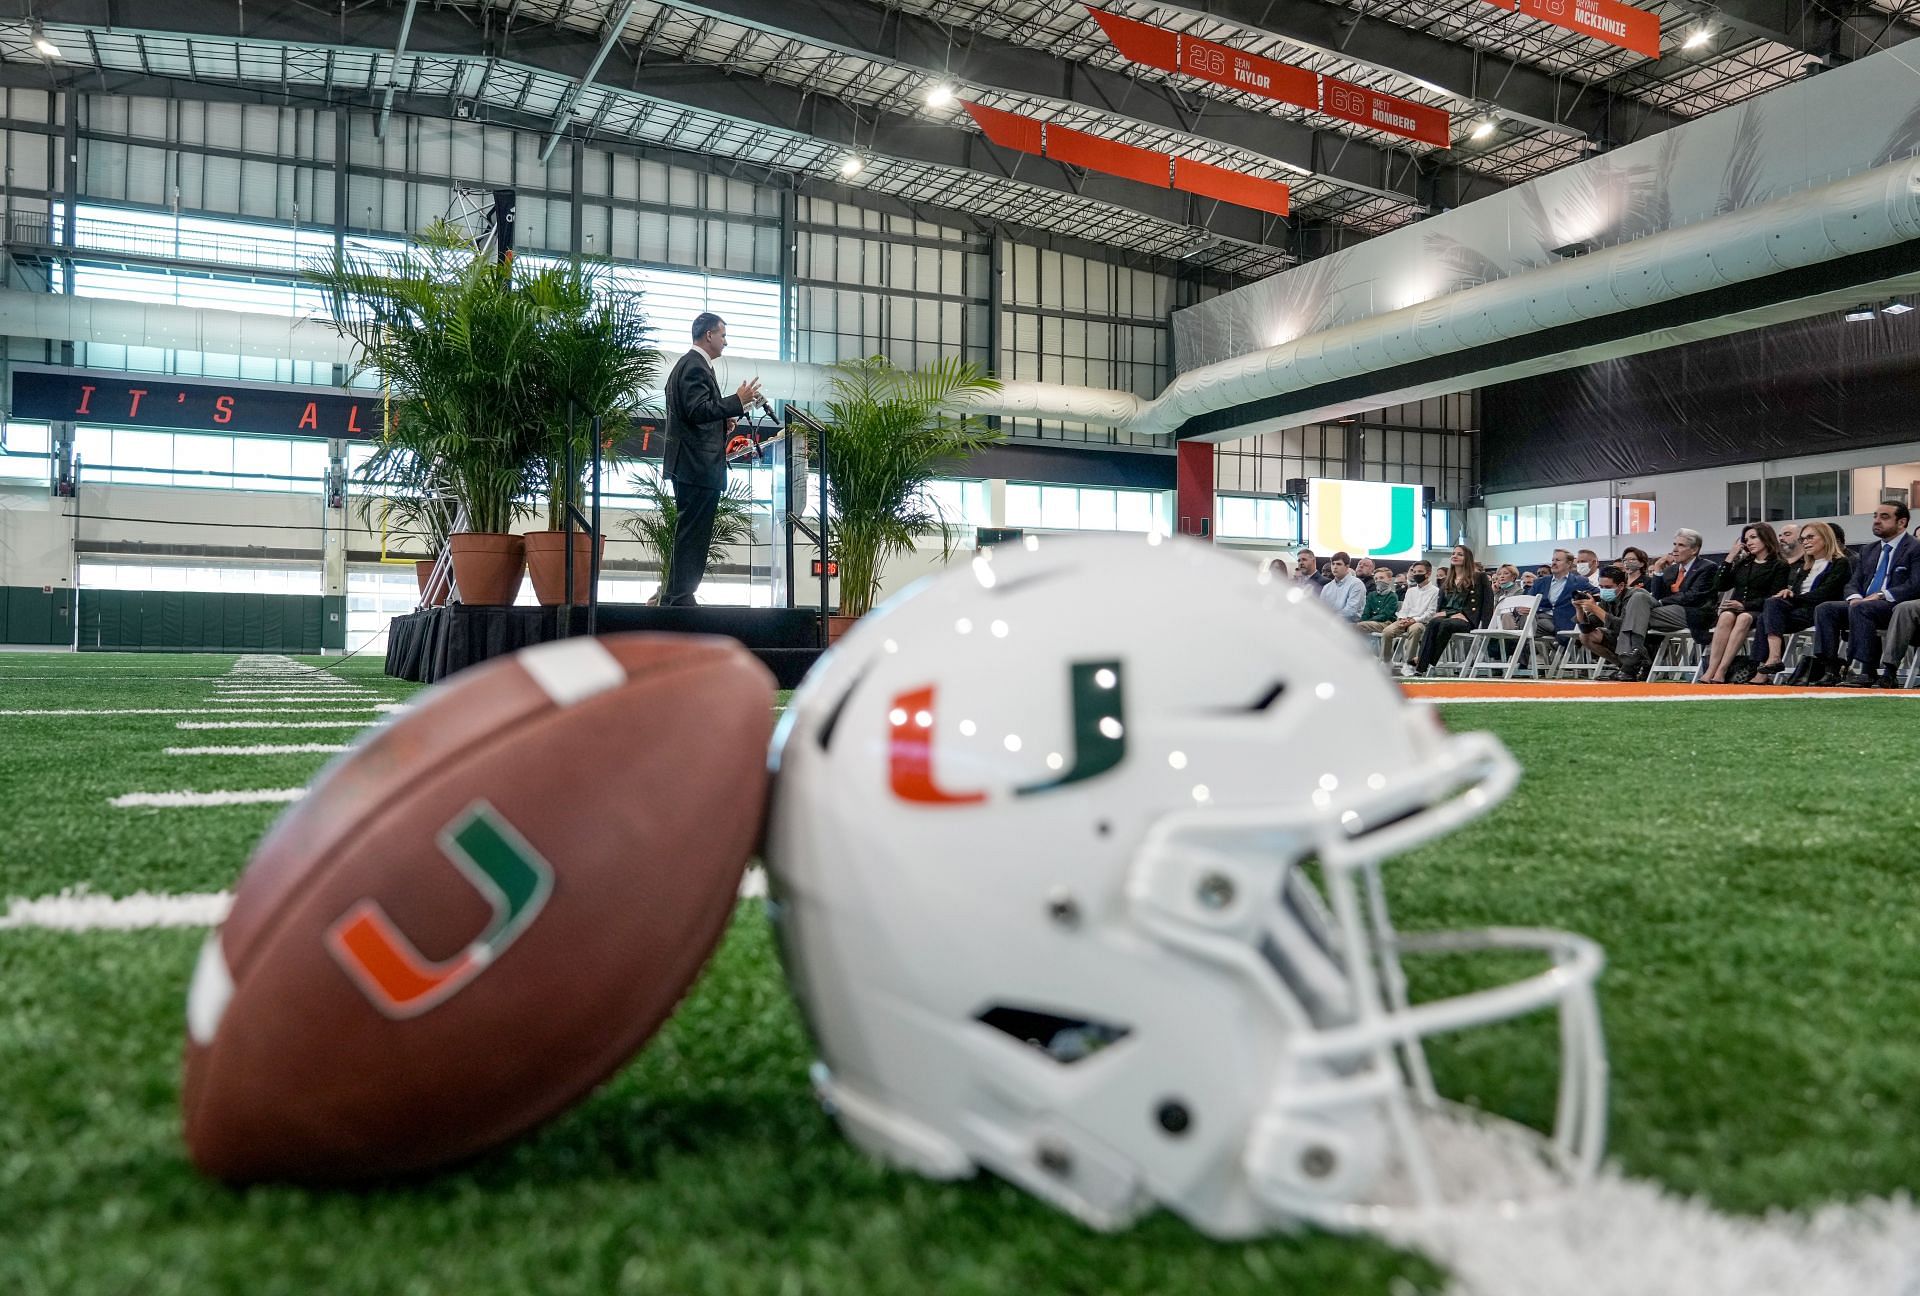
pixel 183 621
pixel 30 615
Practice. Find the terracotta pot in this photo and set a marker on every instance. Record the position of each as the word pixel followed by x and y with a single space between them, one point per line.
pixel 838 625
pixel 422 573
pixel 547 564
pixel 487 566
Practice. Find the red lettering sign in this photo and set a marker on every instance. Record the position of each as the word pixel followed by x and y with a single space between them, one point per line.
pixel 1385 112
pixel 86 399
pixel 223 409
pixel 311 419
pixel 134 394
pixel 353 418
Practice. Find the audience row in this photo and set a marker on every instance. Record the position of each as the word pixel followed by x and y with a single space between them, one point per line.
pixel 1864 610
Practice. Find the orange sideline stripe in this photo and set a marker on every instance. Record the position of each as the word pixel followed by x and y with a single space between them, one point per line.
pixel 1480 691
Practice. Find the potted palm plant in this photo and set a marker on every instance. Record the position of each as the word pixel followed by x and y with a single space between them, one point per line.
pixel 596 363
pixel 653 527
pixel 405 499
pixel 454 341
pixel 889 433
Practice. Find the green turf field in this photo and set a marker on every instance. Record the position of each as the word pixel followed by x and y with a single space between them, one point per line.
pixel 1758 1007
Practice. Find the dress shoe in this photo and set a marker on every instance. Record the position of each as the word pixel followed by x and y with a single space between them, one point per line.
pixel 1887 679
pixel 1857 678
pixel 1634 667
pixel 1823 671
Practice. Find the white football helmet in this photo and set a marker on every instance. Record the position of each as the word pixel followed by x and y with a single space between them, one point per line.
pixel 1075 861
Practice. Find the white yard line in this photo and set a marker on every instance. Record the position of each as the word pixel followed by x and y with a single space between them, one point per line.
pixel 1822 695
pixel 183 800
pixel 263 749
pixel 283 710
pixel 278 724
pixel 1622 1237
pixel 78 909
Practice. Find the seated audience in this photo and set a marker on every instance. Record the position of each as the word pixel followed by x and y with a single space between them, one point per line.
pixel 1557 595
pixel 1383 602
pixel 1790 541
pixel 1682 589
pixel 1526 582
pixel 1422 601
pixel 1887 574
pixel 1364 570
pixel 1597 618
pixel 1635 565
pixel 1820 576
pixel 1343 591
pixel 1902 632
pixel 1506 582
pixel 1753 573
pixel 1307 571
pixel 1466 603
pixel 1586 565
pixel 1277 569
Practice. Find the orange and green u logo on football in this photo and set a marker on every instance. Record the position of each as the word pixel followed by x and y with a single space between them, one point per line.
pixel 399 980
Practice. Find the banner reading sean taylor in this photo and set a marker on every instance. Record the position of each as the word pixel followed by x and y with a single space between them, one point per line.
pixel 1363 518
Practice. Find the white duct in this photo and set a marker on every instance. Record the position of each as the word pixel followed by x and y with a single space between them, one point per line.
pixel 1862 213
pixel 183 328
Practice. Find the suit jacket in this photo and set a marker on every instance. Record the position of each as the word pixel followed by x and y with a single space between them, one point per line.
pixel 695 451
pixel 1903 573
pixel 1749 582
pixel 1696 593
pixel 1831 585
pixel 1562 609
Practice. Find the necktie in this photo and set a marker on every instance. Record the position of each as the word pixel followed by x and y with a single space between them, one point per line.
pixel 1679 578
pixel 1880 573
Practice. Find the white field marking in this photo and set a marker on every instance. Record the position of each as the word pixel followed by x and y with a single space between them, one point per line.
pixel 754 885
pixel 285 710
pixel 263 749
pixel 277 724
pixel 1822 695
pixel 184 800
pixel 79 910
pixel 310 699
pixel 1622 1237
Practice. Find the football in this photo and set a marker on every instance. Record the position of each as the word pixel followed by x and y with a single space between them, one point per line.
pixel 479 913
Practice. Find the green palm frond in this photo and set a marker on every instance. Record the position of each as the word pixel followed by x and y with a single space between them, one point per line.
pixel 890 432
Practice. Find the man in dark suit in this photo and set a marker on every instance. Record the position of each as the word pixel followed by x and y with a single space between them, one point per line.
pixel 694 459
pixel 1887 574
pixel 1681 587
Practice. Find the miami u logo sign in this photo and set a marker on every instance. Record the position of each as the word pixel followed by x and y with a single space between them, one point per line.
pixel 1098 698
pixel 391 971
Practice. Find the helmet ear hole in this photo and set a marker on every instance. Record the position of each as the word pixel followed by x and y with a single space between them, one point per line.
pixel 1065 1039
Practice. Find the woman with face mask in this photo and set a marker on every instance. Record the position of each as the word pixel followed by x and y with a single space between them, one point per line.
pixel 1506 580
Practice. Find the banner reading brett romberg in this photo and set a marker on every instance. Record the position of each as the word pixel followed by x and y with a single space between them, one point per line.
pixel 1605 20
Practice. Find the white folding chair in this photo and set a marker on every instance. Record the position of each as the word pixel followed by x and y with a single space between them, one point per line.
pixel 1575 658
pixel 1677 657
pixel 1506 642
pixel 1910 673
pixel 1454 659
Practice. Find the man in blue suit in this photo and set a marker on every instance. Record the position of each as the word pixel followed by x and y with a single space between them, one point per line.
pixel 1557 593
pixel 1888 573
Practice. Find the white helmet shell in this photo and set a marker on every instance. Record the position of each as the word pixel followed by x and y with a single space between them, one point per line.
pixel 1074 854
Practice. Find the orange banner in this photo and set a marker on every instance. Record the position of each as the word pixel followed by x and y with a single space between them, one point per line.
pixel 1128 161
pixel 1385 112
pixel 1153 46
pixel 1230 186
pixel 1604 20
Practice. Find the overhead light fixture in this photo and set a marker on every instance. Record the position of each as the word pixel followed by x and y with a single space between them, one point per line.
pixel 1895 308
pixel 1579 247
pixel 940 96
pixel 40 42
pixel 1860 315
pixel 1697 38
pixel 851 166
pixel 1484 128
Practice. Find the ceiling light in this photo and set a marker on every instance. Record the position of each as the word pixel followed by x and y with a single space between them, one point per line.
pixel 851 166
pixel 940 96
pixel 40 42
pixel 1895 308
pixel 1860 315
pixel 1484 128
pixel 1696 38
pixel 1579 247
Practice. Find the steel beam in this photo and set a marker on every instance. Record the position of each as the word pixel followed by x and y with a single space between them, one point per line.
pixel 614 28
pixel 399 50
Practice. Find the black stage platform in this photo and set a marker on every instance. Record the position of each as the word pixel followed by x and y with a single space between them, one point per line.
pixel 432 644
